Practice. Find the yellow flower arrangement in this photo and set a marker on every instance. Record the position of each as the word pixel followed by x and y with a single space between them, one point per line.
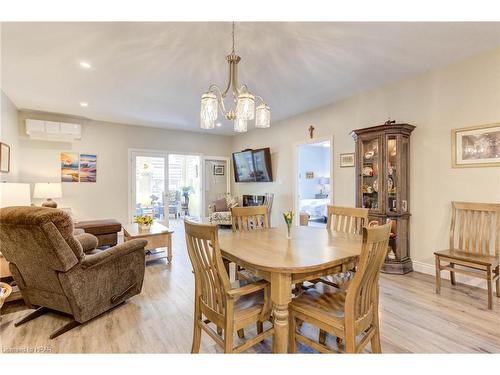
pixel 288 216
pixel 143 220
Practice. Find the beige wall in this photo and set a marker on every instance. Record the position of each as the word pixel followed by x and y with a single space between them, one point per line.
pixel 108 197
pixel 461 95
pixel 9 134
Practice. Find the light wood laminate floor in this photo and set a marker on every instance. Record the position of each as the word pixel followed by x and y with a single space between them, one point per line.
pixel 159 320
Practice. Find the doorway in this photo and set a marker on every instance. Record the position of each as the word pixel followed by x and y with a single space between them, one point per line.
pixel 216 181
pixel 313 185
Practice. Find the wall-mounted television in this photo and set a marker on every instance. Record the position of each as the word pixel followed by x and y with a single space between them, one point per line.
pixel 253 165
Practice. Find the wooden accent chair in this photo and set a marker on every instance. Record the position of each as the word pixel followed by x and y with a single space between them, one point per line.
pixel 216 301
pixel 346 314
pixel 474 245
pixel 250 218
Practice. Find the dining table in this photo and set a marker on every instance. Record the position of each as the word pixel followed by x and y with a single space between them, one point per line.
pixel 309 254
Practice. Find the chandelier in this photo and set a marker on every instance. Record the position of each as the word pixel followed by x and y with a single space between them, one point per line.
pixel 242 107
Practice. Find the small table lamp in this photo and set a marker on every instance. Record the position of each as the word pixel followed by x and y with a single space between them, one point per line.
pixel 324 181
pixel 48 190
pixel 14 194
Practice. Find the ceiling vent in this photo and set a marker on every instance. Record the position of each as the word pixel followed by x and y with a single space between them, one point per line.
pixel 53 131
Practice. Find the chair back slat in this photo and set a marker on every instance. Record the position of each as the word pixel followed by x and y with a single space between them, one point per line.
pixel 475 228
pixel 250 218
pixel 346 219
pixel 363 289
pixel 211 278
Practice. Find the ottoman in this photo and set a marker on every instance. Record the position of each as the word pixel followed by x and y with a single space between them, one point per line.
pixel 105 230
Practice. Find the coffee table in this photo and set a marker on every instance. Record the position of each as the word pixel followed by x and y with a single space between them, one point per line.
pixel 158 237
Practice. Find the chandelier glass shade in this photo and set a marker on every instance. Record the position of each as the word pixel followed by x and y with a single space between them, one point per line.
pixel 243 107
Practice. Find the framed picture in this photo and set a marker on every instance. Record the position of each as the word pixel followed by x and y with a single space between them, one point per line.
pixel 477 146
pixel 309 175
pixel 219 170
pixel 4 157
pixel 346 160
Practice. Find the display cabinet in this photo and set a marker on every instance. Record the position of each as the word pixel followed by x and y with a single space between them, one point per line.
pixel 382 186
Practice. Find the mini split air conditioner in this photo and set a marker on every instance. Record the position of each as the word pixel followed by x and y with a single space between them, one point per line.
pixel 53 131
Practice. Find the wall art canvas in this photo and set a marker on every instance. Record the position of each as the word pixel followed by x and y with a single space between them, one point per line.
pixel 477 146
pixel 69 167
pixel 88 168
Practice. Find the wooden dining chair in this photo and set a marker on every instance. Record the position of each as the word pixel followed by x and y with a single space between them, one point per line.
pixel 350 220
pixel 229 308
pixel 250 218
pixel 346 314
pixel 346 219
pixel 473 245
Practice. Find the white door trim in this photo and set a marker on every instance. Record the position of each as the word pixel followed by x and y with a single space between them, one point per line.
pixel 296 146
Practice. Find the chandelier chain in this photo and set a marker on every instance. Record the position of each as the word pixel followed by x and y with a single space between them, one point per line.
pixel 233 36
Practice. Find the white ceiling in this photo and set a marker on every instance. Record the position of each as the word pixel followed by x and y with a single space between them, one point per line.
pixel 154 73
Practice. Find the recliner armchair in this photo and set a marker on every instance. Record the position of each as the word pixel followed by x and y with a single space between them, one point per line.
pixel 52 270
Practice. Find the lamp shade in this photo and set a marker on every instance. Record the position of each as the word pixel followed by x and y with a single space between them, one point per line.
pixel 47 190
pixel 14 194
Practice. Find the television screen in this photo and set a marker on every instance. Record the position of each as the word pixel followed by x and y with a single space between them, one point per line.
pixel 243 166
pixel 262 165
pixel 253 166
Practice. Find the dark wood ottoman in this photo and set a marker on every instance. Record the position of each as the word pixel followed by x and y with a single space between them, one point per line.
pixel 105 230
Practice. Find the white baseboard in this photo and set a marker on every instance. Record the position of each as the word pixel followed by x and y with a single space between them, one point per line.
pixel 430 269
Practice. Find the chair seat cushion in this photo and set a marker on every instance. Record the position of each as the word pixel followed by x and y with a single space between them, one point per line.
pixel 485 260
pixel 323 303
pixel 248 305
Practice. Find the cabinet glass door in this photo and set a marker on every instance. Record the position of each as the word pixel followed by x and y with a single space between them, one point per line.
pixel 370 174
pixel 393 167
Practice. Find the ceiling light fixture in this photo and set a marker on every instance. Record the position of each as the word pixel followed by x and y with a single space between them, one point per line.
pixel 84 104
pixel 213 100
pixel 85 65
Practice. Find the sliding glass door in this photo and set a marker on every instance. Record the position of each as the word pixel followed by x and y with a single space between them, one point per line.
pixel 148 186
pixel 165 185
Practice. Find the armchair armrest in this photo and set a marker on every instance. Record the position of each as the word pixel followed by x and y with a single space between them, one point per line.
pixel 105 256
pixel 247 289
pixel 211 208
pixel 88 241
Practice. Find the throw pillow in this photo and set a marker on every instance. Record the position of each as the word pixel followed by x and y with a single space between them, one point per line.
pixel 231 201
pixel 221 205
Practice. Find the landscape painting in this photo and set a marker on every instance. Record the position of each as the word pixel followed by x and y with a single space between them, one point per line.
pixel 69 167
pixel 88 168
pixel 477 146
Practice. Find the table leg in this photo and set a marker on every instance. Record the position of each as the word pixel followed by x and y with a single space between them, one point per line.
pixel 169 248
pixel 281 296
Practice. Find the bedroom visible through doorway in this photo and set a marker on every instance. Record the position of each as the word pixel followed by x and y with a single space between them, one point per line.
pixel 313 182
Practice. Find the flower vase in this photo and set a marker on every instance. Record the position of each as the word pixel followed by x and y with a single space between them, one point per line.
pixel 144 227
pixel 289 231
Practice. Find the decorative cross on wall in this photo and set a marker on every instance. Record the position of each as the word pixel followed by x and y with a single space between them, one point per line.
pixel 311 131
